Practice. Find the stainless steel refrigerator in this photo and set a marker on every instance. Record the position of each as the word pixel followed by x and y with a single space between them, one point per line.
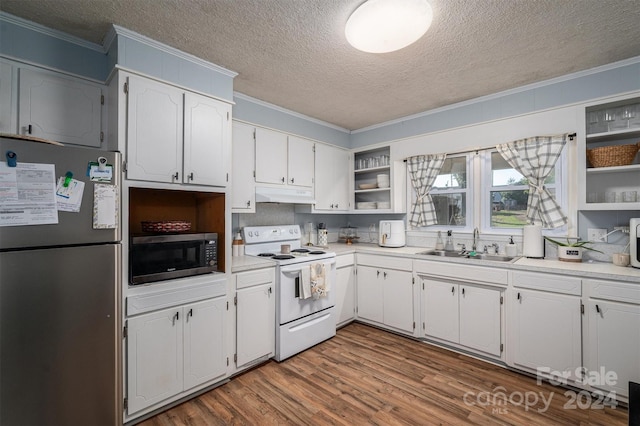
pixel 60 325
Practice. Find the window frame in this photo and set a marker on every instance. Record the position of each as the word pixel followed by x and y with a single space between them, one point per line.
pixel 468 191
pixel 486 187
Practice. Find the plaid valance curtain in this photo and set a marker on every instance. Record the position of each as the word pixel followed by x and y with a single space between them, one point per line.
pixel 423 171
pixel 535 158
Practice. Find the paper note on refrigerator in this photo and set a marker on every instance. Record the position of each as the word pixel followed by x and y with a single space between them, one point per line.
pixel 105 206
pixel 69 198
pixel 27 194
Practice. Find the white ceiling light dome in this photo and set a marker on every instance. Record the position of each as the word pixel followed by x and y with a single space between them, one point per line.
pixel 380 26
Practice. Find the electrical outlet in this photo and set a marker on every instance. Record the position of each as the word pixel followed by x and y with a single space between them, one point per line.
pixel 597 235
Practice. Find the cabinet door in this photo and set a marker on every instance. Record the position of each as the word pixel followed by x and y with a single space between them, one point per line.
pixel 345 294
pixel 7 125
pixel 256 323
pixel 154 358
pixel 271 156
pixel 206 140
pixel 154 131
pixel 480 318
pixel 243 187
pixel 398 299
pixel 545 331
pixel 440 302
pixel 614 344
pixel 59 108
pixel 204 350
pixel 370 293
pixel 331 178
pixel 300 162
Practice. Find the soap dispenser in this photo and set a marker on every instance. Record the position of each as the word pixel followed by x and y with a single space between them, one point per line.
pixel 449 245
pixel 511 249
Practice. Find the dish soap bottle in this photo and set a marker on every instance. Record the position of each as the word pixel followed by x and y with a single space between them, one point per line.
pixel 511 249
pixel 238 245
pixel 439 245
pixel 449 245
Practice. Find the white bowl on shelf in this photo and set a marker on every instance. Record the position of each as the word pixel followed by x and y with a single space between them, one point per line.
pixel 366 205
pixel 383 181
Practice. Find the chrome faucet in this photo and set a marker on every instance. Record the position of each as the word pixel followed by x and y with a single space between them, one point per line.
pixel 476 237
pixel 496 246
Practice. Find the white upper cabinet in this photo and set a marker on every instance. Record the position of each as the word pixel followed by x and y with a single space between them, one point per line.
pixel 331 178
pixel 154 131
pixel 271 157
pixel 243 193
pixel 300 162
pixel 60 108
pixel 6 120
pixel 282 159
pixel 206 140
pixel 175 136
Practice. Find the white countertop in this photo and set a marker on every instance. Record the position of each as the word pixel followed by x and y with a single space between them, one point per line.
pixel 247 263
pixel 584 269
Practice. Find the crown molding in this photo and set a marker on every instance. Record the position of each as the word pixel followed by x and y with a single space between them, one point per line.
pixel 167 49
pixel 288 111
pixel 50 32
pixel 493 96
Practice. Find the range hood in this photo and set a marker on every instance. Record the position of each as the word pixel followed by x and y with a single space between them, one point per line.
pixel 284 195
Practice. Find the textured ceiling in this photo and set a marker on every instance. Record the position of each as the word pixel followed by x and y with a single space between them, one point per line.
pixel 293 53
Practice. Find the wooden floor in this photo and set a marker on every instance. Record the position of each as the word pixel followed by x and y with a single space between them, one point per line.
pixel 368 376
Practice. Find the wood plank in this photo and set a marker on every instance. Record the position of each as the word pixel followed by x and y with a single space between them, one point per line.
pixel 368 376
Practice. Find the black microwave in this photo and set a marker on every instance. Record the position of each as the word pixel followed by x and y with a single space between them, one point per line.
pixel 164 257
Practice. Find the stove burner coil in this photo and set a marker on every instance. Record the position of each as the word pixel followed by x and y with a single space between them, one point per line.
pixel 317 252
pixel 266 254
pixel 283 257
pixel 300 250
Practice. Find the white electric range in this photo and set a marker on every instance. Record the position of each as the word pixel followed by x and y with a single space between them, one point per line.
pixel 300 322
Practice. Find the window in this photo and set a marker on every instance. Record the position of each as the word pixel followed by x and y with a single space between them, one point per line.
pixel 450 192
pixel 508 191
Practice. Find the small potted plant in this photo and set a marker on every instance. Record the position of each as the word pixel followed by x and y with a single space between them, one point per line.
pixel 571 251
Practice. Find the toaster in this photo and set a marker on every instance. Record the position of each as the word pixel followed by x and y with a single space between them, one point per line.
pixel 391 233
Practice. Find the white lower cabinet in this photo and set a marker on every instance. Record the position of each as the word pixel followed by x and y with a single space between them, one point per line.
pixel 544 331
pixel 612 347
pixel 345 289
pixel 174 350
pixel 255 316
pixel 385 289
pixel 463 314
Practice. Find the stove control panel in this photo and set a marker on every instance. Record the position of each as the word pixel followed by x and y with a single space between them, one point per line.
pixel 266 234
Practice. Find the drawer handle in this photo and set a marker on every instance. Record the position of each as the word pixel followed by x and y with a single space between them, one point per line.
pixel 30 129
pixel 597 309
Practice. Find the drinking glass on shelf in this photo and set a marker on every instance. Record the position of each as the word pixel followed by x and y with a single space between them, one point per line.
pixel 628 112
pixel 609 117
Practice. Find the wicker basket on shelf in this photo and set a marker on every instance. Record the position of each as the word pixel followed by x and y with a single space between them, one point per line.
pixel 609 156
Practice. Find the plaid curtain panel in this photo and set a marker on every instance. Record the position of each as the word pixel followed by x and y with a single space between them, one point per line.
pixel 423 171
pixel 535 158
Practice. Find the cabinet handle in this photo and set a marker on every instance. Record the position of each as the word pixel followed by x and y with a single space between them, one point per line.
pixel 175 318
pixel 385 275
pixel 190 313
pixel 291 180
pixel 463 291
pixel 336 205
pixel 283 179
pixel 249 203
pixel 331 206
pixel 190 177
pixel 597 309
pixel 29 129
pixel 270 290
pixel 518 295
pixel 175 176
pixel 453 290
pixel 377 274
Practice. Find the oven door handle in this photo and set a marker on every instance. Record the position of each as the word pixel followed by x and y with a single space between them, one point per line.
pixel 298 267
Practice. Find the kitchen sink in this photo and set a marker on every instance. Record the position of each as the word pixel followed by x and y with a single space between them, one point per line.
pixel 465 255
pixel 443 253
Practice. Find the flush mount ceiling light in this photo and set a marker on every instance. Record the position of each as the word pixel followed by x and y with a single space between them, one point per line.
pixel 380 26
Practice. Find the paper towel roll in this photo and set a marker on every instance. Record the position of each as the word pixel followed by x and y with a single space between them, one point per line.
pixel 532 242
